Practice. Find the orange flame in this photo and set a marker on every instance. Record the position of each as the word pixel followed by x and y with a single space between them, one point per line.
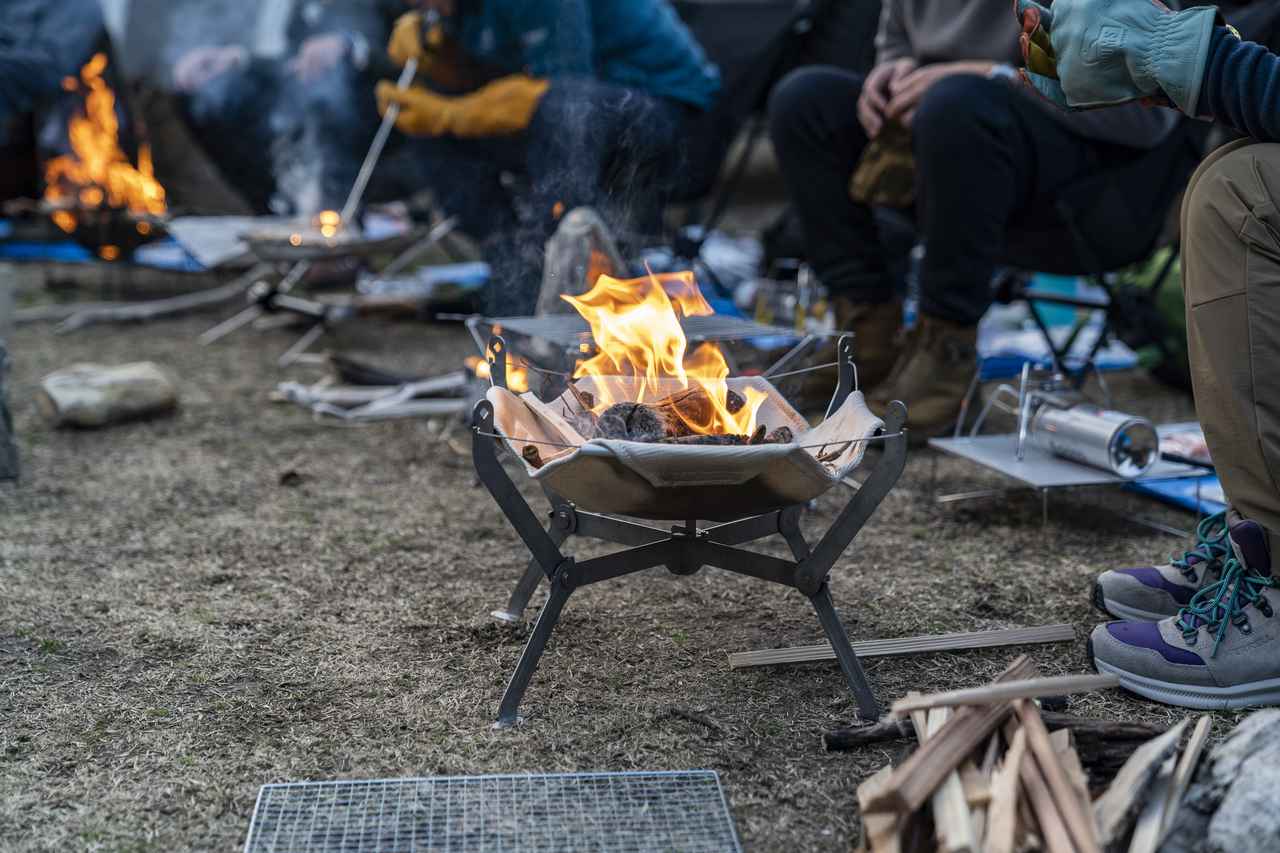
pixel 97 170
pixel 637 332
pixel 517 372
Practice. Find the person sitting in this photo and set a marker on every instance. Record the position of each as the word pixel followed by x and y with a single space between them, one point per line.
pixel 41 43
pixel 588 101
pixel 288 119
pixel 1204 631
pixel 942 94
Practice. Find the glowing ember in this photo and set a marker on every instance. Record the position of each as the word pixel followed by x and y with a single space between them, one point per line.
pixel 97 172
pixel 637 333
pixel 329 222
pixel 517 372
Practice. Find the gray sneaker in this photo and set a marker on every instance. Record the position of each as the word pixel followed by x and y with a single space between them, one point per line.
pixel 1221 651
pixel 1152 593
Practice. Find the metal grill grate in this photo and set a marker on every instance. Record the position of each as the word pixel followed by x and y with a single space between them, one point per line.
pixel 569 330
pixel 608 812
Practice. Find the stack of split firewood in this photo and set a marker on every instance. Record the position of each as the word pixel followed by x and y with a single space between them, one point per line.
pixel 990 775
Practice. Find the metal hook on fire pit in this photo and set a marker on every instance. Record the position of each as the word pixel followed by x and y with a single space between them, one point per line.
pixel 848 381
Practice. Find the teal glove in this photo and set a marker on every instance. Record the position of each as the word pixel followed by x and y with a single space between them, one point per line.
pixel 1106 52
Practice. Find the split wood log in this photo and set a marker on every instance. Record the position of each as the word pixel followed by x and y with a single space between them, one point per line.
pixel 879 829
pixel 1002 821
pixel 1116 810
pixel 915 780
pixel 953 824
pixel 138 312
pixel 1186 769
pixel 1075 811
pixel 909 645
pixel 1231 803
pixel 93 395
pixel 1146 832
pixel 1053 830
pixel 1031 689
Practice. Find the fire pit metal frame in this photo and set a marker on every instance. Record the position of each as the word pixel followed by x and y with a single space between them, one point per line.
pixel 684 550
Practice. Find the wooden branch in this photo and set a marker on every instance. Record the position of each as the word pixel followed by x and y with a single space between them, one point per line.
pixel 953 825
pixel 909 646
pixel 136 312
pixel 915 780
pixel 1053 830
pixel 1115 810
pixel 1075 812
pixel 990 694
pixel 1103 745
pixel 1002 822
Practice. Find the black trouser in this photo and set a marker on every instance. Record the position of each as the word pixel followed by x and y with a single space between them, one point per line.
pixel 590 144
pixel 986 156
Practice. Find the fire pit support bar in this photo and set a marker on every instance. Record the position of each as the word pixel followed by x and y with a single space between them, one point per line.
pixel 683 550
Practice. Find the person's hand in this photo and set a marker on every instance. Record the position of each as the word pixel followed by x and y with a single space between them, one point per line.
pixel 876 93
pixel 319 55
pixel 1097 53
pixel 198 68
pixel 409 42
pixel 907 92
pixel 503 107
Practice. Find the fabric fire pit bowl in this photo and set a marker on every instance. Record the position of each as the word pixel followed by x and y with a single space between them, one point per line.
pixel 673 481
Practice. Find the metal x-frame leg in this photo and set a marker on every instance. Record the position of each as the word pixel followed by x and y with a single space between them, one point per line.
pixel 684 550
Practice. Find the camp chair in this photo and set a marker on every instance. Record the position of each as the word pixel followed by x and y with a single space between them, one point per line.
pixel 1112 221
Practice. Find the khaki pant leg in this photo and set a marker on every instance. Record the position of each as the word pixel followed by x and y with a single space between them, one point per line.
pixel 1231 241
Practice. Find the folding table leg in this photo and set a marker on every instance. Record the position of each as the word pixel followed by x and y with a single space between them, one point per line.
pixel 513 613
pixel 508 711
pixel 853 673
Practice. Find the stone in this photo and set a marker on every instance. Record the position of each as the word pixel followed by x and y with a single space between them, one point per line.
pixel 1231 804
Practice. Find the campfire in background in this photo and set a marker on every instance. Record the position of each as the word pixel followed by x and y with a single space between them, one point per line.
pixel 95 193
pixel 517 371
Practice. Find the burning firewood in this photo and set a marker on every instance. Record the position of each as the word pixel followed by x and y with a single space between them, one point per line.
pixel 531 455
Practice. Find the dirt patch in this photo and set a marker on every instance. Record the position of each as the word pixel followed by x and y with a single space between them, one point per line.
pixel 178 628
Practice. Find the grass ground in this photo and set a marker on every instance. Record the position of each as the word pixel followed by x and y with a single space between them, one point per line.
pixel 178 628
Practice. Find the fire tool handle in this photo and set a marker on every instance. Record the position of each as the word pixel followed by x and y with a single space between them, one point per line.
pixel 379 142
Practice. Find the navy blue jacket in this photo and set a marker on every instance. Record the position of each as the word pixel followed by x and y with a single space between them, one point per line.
pixel 1242 86
pixel 42 41
pixel 640 44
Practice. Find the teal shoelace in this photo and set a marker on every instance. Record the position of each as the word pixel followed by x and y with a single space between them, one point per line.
pixel 1211 546
pixel 1223 604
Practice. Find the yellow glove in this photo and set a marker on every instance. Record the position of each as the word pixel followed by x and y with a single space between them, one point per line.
pixel 408 42
pixel 503 107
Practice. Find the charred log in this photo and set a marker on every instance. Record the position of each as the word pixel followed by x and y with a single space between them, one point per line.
pixel 632 422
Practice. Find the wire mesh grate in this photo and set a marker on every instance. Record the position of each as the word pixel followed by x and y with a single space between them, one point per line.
pixel 606 812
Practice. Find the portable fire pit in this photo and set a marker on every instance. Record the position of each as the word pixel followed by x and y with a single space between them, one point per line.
pixel 752 491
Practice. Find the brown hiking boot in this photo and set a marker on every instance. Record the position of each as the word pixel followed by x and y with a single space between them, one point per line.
pixel 932 376
pixel 875 327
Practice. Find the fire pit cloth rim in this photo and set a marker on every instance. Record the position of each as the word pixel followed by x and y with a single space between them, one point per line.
pixel 599 472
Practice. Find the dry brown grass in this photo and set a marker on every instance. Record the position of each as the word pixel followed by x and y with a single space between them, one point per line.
pixel 177 628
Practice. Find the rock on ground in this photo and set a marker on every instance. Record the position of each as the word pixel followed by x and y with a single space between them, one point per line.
pixel 1231 805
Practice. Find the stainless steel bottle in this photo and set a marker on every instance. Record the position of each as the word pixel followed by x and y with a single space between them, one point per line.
pixel 1125 445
